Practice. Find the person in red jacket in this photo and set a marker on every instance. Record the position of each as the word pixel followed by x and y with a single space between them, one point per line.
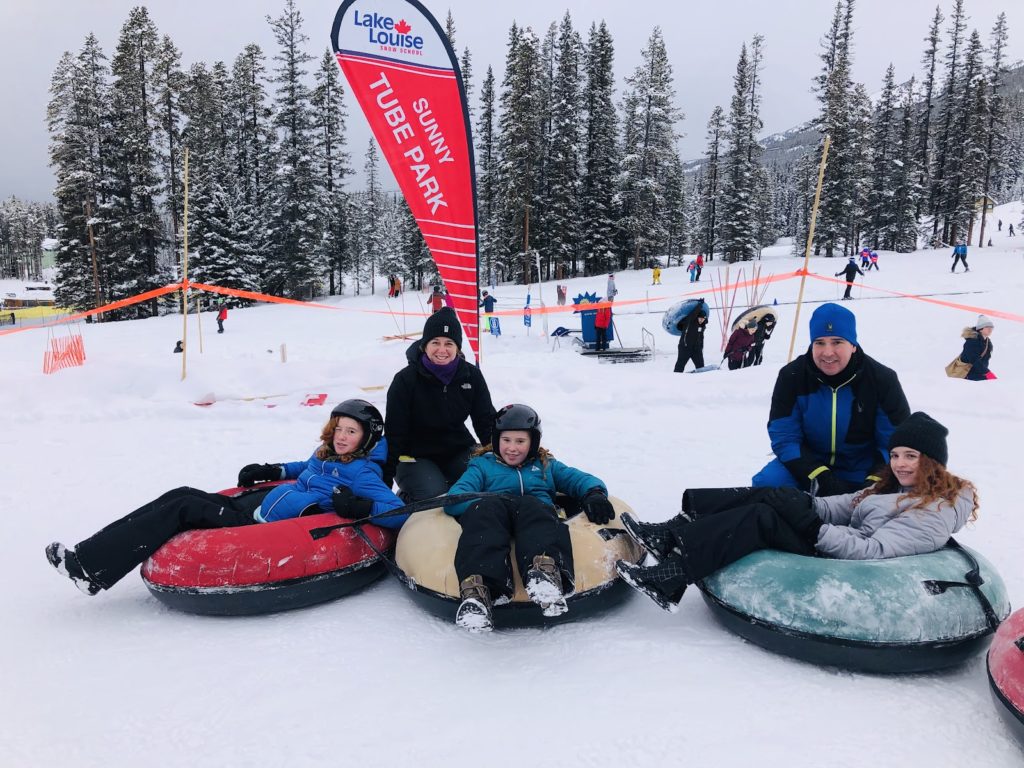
pixel 221 317
pixel 601 324
pixel 436 299
pixel 700 265
pixel 740 342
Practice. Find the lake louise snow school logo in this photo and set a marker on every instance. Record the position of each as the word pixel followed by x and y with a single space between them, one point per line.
pixel 391 35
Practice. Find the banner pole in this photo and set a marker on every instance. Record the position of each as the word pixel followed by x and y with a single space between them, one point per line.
pixel 810 241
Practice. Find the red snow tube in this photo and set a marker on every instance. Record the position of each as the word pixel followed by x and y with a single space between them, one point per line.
pixel 264 568
pixel 1006 671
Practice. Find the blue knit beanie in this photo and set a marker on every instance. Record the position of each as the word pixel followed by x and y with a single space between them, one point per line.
pixel 834 320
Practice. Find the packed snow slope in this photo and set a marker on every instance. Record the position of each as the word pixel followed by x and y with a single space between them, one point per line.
pixel 371 680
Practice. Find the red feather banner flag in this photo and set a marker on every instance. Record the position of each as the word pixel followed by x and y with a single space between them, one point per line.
pixel 405 76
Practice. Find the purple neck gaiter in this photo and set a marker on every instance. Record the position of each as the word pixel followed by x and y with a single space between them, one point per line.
pixel 443 372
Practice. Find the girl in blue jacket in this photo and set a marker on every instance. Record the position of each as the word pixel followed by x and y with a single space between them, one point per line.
pixel 516 465
pixel 343 475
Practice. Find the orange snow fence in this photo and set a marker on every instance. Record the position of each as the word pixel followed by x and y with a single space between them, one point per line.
pixel 68 352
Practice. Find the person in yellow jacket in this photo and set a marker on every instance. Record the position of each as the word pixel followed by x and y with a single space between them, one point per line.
pixel 656 275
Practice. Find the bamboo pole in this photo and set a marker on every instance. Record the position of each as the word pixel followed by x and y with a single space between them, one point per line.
pixel 810 241
pixel 184 280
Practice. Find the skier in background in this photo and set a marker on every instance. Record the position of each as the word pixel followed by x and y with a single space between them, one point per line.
pixel 874 262
pixel 850 270
pixel 960 255
pixel 700 264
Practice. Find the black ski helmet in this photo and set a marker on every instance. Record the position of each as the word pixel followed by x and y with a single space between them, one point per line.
pixel 369 419
pixel 518 416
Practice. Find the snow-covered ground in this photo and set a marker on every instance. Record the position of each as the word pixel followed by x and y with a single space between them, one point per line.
pixel 371 680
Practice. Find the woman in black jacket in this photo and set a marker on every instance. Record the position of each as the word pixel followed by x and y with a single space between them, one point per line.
pixel 978 349
pixel 428 403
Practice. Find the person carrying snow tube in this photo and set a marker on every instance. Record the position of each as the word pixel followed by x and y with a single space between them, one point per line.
pixel 763 332
pixel 914 508
pixel 691 339
pixel 740 343
pixel 517 465
pixel 428 403
pixel 833 411
pixel 343 475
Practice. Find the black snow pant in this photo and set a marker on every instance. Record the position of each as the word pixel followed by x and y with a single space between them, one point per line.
pixel 488 528
pixel 849 287
pixel 220 325
pixel 734 364
pixel 427 478
pixel 601 340
pixel 959 259
pixel 113 552
pixel 729 524
pixel 688 353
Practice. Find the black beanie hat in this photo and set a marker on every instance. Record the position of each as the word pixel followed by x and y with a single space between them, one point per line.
pixel 445 323
pixel 922 433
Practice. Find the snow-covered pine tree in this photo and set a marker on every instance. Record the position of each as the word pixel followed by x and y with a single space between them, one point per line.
pixel 710 216
pixel 966 165
pixel 563 223
pixel 519 142
pixel 134 235
pixel 904 179
pixel 995 130
pixel 169 81
pixel 738 196
pixel 938 190
pixel 880 214
pixel 414 257
pixel 22 230
pixel 292 265
pixel 676 232
pixel 367 245
pixel 926 116
pixel 466 69
pixel 486 180
pixel 79 134
pixel 332 166
pixel 600 169
pixel 540 213
pixel 859 159
pixel 648 149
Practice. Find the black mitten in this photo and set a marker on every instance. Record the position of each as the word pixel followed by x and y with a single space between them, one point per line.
pixel 831 485
pixel 348 505
pixel 597 507
pixel 251 474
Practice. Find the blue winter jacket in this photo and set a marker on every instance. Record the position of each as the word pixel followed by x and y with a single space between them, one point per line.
pixel 977 352
pixel 489 473
pixel 841 423
pixel 316 480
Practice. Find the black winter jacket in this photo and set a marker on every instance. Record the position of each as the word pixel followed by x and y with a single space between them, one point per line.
pixel 850 270
pixel 427 419
pixel 977 351
pixel 692 331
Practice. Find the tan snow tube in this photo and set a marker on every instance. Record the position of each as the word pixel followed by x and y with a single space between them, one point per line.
pixel 425 554
pixel 762 310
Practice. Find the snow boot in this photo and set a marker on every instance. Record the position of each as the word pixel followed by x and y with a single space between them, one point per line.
pixel 544 586
pixel 664 583
pixel 65 561
pixel 474 611
pixel 656 538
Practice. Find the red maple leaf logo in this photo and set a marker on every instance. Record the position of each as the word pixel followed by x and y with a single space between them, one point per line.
pixel 401 27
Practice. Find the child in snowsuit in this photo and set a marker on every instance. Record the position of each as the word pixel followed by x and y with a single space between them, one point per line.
pixel 849 270
pixel 865 258
pixel 691 339
pixel 692 269
pixel 516 464
pixel 977 349
pixel 913 509
pixel 436 299
pixel 960 256
pixel 221 317
pixel 656 276
pixel 739 345
pixel 343 475
pixel 874 262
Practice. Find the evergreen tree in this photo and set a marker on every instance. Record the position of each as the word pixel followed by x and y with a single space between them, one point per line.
pixel 169 81
pixel 487 180
pixel 906 188
pixel 466 69
pixel 600 169
pixel 368 246
pixel 996 129
pixel 947 118
pixel 966 163
pixel 648 152
pixel 709 212
pixel 880 214
pixel 923 153
pixel 564 161
pixel 134 235
pixel 294 235
pixel 332 167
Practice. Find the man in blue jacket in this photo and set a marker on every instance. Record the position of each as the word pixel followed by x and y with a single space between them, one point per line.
pixel 833 411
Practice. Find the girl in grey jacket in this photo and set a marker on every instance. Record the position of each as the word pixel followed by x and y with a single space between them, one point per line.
pixel 913 509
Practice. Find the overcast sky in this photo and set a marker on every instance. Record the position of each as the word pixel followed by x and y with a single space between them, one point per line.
pixel 703 41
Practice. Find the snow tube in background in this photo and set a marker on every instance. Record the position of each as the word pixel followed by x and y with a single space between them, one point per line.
pixel 758 312
pixel 263 568
pixel 425 555
pixel 678 311
pixel 1006 672
pixel 903 614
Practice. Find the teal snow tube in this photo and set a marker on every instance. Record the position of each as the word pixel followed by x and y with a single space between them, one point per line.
pixel 904 614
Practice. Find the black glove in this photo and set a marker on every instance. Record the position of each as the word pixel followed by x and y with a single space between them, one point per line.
pixel 797 509
pixel 348 505
pixel 597 507
pixel 830 485
pixel 251 474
